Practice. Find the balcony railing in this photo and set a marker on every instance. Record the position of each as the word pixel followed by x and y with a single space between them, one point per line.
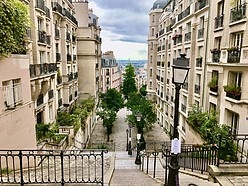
pixel 74 38
pixel 40 4
pixel 47 10
pixel 216 57
pixel 200 4
pixel 42 36
pixel 187 36
pixel 169 28
pixel 70 98
pixel 50 94
pixel 238 13
pixel 197 89
pixel 68 36
pixel 185 86
pixel 57 35
pixel 218 21
pixel 69 16
pixel 59 80
pixel 68 57
pixel 48 40
pixel 58 57
pixel 184 14
pixel 183 108
pixel 57 7
pixel 60 102
pixel 200 33
pixel 70 76
pixel 199 62
pixel 42 69
pixel 40 100
pixel 233 95
pixel 233 55
pixel 161 32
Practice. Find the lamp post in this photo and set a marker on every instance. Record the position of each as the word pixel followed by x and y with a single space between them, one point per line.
pixel 138 159
pixel 127 139
pixel 129 142
pixel 180 69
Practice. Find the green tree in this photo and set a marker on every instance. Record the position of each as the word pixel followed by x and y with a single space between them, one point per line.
pixel 140 105
pixel 143 91
pixel 108 117
pixel 14 21
pixel 128 85
pixel 112 100
pixel 207 126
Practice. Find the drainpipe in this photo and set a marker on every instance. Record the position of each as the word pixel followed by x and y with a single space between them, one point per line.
pixel 205 69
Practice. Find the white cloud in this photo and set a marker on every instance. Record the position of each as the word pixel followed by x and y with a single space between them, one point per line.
pixel 124 26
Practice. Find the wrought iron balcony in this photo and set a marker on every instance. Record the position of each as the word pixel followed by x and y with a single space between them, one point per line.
pixel 60 102
pixel 238 13
pixel 161 32
pixel 185 86
pixel 57 7
pixel 183 108
pixel 200 4
pixel 40 4
pixel 197 89
pixel 218 21
pixel 187 36
pixel 200 33
pixel 58 57
pixel 42 69
pixel 40 100
pixel 57 35
pixel 47 10
pixel 42 36
pixel 215 56
pixel 68 57
pixel 48 40
pixel 70 98
pixel 50 94
pixel 70 76
pixel 199 62
pixel 68 36
pixel 233 55
pixel 59 80
pixel 184 14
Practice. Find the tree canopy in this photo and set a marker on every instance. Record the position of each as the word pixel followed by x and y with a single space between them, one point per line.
pixel 112 100
pixel 138 104
pixel 14 21
pixel 129 85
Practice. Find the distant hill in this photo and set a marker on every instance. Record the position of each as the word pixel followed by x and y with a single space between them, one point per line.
pixel 135 63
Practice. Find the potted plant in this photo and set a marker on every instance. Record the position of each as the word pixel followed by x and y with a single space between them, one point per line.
pixel 233 91
pixel 215 50
pixel 234 48
pixel 213 84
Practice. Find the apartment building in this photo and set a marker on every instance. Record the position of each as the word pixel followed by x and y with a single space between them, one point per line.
pixel 227 63
pixel 53 67
pixel 213 37
pixel 182 28
pixel 111 74
pixel 17 121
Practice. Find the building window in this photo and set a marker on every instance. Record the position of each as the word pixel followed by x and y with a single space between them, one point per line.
pixel 233 121
pixel 212 107
pixel 12 93
pixel 236 40
pixel 51 112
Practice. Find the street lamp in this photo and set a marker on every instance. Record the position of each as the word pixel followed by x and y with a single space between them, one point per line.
pixel 180 69
pixel 127 131
pixel 138 159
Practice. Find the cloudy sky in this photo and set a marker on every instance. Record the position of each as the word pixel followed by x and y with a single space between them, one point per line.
pixel 124 26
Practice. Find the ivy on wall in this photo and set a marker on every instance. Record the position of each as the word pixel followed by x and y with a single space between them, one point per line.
pixel 14 21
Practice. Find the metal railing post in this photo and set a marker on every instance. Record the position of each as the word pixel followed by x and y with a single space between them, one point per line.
pixel 21 169
pixel 62 168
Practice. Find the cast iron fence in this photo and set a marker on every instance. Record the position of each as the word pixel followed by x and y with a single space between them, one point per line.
pixel 52 167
